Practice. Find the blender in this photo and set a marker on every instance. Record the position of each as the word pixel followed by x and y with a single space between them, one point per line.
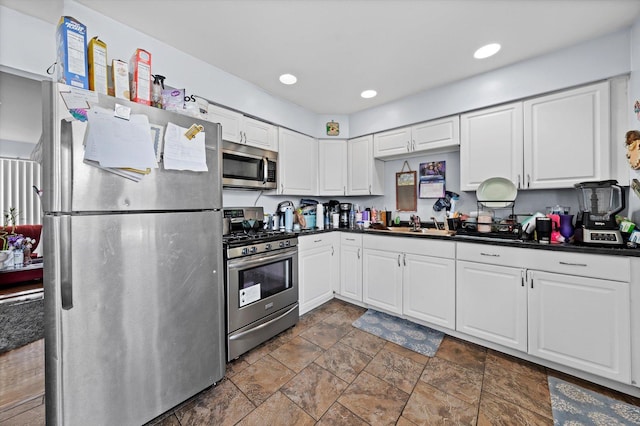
pixel 599 202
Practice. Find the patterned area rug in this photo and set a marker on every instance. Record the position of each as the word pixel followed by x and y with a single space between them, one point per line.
pixel 574 405
pixel 405 333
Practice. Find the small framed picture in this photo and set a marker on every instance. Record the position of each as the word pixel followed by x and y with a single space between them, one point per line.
pixel 333 128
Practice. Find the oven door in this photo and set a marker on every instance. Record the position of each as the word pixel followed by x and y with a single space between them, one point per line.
pixel 260 285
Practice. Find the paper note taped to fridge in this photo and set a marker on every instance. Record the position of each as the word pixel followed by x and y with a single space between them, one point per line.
pixel 182 153
pixel 114 142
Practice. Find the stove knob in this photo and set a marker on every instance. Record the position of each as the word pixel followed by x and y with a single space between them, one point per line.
pixel 287 243
pixel 245 251
pixel 253 250
pixel 281 244
pixel 267 246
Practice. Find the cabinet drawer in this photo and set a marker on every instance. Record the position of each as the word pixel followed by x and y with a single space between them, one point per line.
pixel 493 255
pixel 350 239
pixel 413 245
pixel 316 240
pixel 616 268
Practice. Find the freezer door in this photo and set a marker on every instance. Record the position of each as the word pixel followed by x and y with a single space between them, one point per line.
pixel 70 185
pixel 134 314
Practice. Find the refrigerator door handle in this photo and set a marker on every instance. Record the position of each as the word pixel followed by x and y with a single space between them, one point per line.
pixel 66 286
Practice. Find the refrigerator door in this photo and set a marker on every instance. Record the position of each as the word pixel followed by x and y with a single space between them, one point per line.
pixel 70 185
pixel 134 314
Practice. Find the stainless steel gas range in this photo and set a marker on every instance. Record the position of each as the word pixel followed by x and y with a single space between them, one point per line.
pixel 261 280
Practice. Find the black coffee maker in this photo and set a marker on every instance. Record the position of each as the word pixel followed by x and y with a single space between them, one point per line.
pixel 599 202
pixel 345 208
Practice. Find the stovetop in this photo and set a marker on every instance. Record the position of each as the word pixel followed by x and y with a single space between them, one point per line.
pixel 242 239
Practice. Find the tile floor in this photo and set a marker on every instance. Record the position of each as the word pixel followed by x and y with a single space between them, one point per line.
pixel 326 372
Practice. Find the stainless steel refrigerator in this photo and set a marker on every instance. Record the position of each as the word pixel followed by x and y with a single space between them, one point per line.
pixel 133 277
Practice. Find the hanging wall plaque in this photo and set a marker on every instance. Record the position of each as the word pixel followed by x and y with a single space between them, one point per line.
pixel 406 193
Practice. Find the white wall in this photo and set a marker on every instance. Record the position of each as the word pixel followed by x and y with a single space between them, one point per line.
pixel 634 120
pixel 594 60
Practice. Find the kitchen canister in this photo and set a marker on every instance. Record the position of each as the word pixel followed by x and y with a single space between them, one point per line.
pixel 288 220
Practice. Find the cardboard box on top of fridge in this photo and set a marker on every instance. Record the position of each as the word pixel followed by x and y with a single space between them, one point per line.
pixel 97 58
pixel 140 77
pixel 71 40
pixel 119 82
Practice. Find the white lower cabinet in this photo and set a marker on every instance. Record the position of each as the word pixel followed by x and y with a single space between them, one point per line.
pixel 492 303
pixel 318 269
pixel 351 266
pixel 581 322
pixel 410 276
pixel 429 289
pixel 382 279
pixel 569 308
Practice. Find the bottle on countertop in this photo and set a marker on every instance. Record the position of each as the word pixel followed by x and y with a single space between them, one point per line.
pixel 320 216
pixel 352 218
pixel 374 215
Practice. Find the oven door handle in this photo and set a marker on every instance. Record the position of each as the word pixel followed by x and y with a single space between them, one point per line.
pixel 244 262
pixel 261 326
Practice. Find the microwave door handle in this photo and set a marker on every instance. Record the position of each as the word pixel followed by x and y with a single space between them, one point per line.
pixel 265 169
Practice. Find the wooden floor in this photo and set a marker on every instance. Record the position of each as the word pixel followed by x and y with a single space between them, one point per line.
pixel 22 385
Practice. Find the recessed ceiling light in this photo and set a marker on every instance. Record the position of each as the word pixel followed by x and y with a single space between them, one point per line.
pixel 486 51
pixel 369 94
pixel 288 79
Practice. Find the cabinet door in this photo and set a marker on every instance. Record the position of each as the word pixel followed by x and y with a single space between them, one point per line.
pixel 436 134
pixel 566 137
pixel 260 134
pixel 230 121
pixel 392 142
pixel 315 261
pixel 491 303
pixel 382 280
pixel 332 164
pixel 351 267
pixel 365 175
pixel 297 164
pixel 581 322
pixel 429 289
pixel 491 145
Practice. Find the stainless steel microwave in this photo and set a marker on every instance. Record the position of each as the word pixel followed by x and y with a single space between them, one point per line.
pixel 248 167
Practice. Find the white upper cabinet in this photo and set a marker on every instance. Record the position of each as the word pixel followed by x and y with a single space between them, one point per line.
pixel 297 164
pixel 566 138
pixel 414 140
pixel 491 145
pixel 365 175
pixel 245 130
pixel 260 134
pixel 552 141
pixel 332 164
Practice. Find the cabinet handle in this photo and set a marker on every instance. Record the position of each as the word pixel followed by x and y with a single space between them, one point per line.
pixel 572 264
pixel 282 188
pixel 404 259
pixel 398 260
pixel 413 145
pixel 350 239
pixel 344 190
pixel 519 181
pixel 522 278
pixel 358 253
pixel 369 189
pixel 317 241
pixel 245 136
pixel 528 180
pixel 408 146
pixel 489 254
pixel 332 251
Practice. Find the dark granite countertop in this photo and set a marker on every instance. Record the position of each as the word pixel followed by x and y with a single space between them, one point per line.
pixel 574 248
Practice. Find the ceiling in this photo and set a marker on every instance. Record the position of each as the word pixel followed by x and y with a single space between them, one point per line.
pixel 338 48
